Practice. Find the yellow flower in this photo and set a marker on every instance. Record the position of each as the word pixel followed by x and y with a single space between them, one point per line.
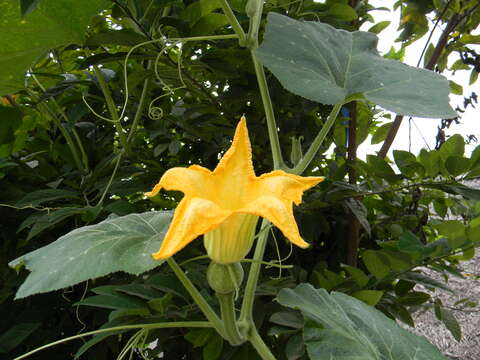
pixel 224 205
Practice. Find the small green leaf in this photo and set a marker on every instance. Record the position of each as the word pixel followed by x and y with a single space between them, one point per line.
pixel 342 12
pixel 38 197
pixel 456 88
pixel 333 66
pixel 454 231
pixel 295 347
pixel 120 244
pixel 379 27
pixel 451 324
pixel 457 165
pixel 357 274
pixel 210 23
pixel 120 301
pixel 287 319
pixel 407 163
pixel 214 347
pixel 431 161
pixel 360 212
pixel 369 297
pixel 381 133
pixel 409 243
pixel 376 263
pixel 454 146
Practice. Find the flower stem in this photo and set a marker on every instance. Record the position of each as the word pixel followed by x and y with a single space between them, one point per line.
pixel 198 324
pixel 211 316
pixel 269 114
pixel 227 309
pixel 234 22
pixel 312 151
pixel 246 314
pixel 259 345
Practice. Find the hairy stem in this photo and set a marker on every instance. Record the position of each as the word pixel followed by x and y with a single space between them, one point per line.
pixel 111 106
pixel 211 316
pixel 227 309
pixel 227 10
pixel 269 114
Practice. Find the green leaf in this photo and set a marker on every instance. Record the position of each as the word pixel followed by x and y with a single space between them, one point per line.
pixel 288 319
pixel 360 212
pixel 332 66
pixel 458 189
pixel 451 324
pixel 358 275
pixel 456 89
pixel 208 24
pixel 120 301
pixel 454 231
pixel 454 146
pixel 341 327
pixel 214 347
pixel 376 263
pixel 407 163
pixel 342 12
pixel 38 197
pixel 24 40
pixel 295 347
pixel 457 165
pixel 381 133
pixel 119 244
pixel 431 161
pixel 410 243
pixel 379 27
pixel 15 335
pixel 369 297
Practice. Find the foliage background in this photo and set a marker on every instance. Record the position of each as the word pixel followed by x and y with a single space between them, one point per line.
pixel 62 166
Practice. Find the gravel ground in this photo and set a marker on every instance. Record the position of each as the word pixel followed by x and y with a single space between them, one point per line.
pixel 428 326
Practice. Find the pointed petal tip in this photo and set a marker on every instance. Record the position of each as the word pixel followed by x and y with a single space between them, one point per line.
pixel 156 189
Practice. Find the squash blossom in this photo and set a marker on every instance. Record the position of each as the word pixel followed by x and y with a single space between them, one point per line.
pixel 224 204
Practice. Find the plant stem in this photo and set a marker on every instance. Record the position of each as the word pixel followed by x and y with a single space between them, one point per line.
pixel 197 324
pixel 110 181
pixel 234 22
pixel 270 115
pixel 260 346
pixel 312 151
pixel 211 316
pixel 141 105
pixel 246 314
pixel 254 10
pixel 111 106
pixel 227 309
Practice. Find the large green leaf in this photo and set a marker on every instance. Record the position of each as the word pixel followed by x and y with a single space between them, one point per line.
pixel 25 39
pixel 341 327
pixel 119 244
pixel 332 66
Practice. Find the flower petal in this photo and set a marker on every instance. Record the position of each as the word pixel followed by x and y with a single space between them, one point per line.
pixel 285 186
pixel 192 218
pixel 192 181
pixel 280 214
pixel 238 158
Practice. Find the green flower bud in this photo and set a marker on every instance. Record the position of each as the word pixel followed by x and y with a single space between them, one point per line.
pixel 225 278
